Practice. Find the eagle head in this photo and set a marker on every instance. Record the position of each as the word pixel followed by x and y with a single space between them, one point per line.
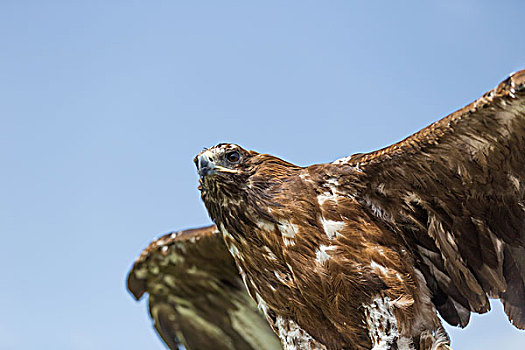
pixel 224 158
pixel 233 179
pixel 224 171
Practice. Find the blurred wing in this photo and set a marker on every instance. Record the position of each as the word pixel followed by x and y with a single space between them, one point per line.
pixel 455 191
pixel 196 296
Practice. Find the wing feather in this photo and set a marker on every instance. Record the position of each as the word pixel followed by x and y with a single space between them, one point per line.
pixel 455 191
pixel 196 295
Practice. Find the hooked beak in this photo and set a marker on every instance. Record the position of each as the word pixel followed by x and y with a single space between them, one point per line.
pixel 204 163
pixel 206 166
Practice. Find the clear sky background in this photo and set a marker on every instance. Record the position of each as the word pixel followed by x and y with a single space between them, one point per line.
pixel 103 105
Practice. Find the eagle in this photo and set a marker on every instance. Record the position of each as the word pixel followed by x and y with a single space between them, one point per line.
pixel 360 253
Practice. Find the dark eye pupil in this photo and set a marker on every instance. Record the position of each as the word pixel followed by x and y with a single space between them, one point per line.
pixel 233 157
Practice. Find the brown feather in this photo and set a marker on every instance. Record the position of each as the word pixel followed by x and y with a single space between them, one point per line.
pixel 196 296
pixel 334 252
pixel 466 173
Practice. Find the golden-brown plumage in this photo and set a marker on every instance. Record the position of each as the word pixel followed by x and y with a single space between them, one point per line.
pixel 455 191
pixel 365 251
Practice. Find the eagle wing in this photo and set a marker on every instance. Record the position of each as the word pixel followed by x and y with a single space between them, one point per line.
pixel 455 191
pixel 196 296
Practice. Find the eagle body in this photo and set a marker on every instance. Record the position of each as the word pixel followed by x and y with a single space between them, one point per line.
pixel 316 261
pixel 361 253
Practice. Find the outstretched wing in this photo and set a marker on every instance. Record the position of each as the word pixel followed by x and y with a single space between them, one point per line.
pixel 196 295
pixel 455 191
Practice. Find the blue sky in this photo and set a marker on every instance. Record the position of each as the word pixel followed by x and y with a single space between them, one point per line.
pixel 105 103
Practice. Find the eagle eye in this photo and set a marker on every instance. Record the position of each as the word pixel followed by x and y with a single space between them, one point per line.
pixel 233 157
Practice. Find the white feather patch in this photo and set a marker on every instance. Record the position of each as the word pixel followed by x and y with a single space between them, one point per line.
pixel 381 322
pixel 261 304
pixel 294 337
pixel 269 254
pixel 321 255
pixel 332 228
pixel 266 225
pixel 322 198
pixel 379 268
pixel 288 232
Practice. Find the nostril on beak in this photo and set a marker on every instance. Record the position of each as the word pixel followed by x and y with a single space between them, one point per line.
pixel 204 164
